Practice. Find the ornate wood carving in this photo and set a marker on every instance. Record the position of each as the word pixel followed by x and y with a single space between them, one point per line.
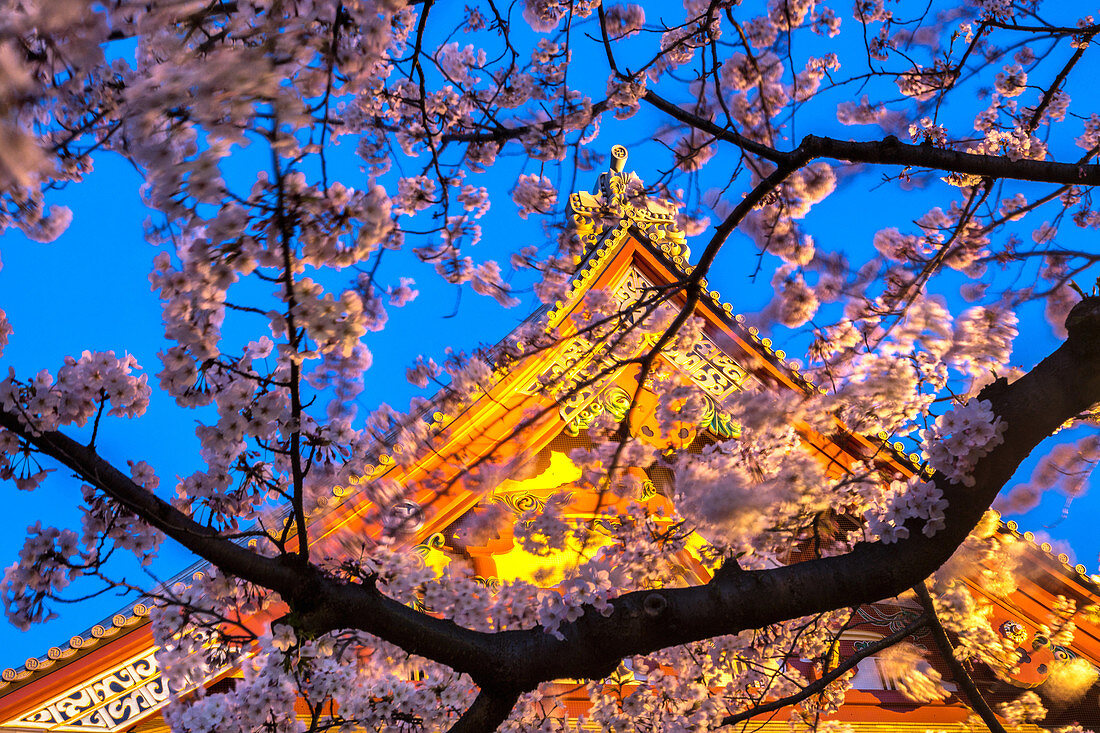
pixel 112 701
pixel 714 372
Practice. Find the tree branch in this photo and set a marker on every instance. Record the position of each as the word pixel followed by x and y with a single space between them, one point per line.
pixel 487 712
pixel 827 679
pixel 891 151
pixel 721 133
pixel 325 603
pixel 958 672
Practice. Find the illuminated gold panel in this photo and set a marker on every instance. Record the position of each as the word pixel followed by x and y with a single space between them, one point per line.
pixel 518 564
pixel 560 472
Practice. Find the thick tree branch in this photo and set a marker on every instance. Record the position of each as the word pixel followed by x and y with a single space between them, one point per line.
pixel 959 674
pixel 1060 387
pixel 828 678
pixel 159 514
pixel 891 151
pixel 487 712
pixel 324 603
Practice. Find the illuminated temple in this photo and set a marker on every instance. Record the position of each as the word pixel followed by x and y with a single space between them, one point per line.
pixel 106 679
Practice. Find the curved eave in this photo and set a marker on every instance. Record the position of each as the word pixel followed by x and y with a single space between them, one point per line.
pixel 91 643
pixel 84 665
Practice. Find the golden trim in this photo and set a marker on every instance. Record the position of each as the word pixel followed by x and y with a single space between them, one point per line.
pixel 79 643
pixel 612 207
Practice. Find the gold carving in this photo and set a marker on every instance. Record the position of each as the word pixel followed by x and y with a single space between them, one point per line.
pixel 617 203
pixel 493 584
pixel 574 371
pixel 710 368
pixel 718 421
pixel 520 502
pixel 706 364
pixel 434 542
pixel 614 400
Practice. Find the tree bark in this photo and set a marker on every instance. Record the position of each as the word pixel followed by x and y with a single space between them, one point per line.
pixel 486 713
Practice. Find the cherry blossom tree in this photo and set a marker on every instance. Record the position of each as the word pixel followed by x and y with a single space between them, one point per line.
pixel 967 101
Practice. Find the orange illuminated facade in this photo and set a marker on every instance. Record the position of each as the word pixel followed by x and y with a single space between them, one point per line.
pixel 107 679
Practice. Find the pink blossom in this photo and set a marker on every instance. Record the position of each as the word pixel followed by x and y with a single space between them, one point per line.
pixel 403 293
pixel 961 437
pixel 1012 81
pixel 534 194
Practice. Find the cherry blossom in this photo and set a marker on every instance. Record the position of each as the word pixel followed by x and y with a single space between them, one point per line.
pixel 961 437
pixel 534 194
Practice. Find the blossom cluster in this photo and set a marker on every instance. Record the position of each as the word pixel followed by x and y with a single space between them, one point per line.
pixel 961 437
pixel 48 561
pixel 82 385
pixel 534 194
pixel 982 340
pixel 906 667
pixel 1068 467
pixel 915 499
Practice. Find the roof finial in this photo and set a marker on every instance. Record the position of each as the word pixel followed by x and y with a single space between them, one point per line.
pixel 618 158
pixel 604 186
